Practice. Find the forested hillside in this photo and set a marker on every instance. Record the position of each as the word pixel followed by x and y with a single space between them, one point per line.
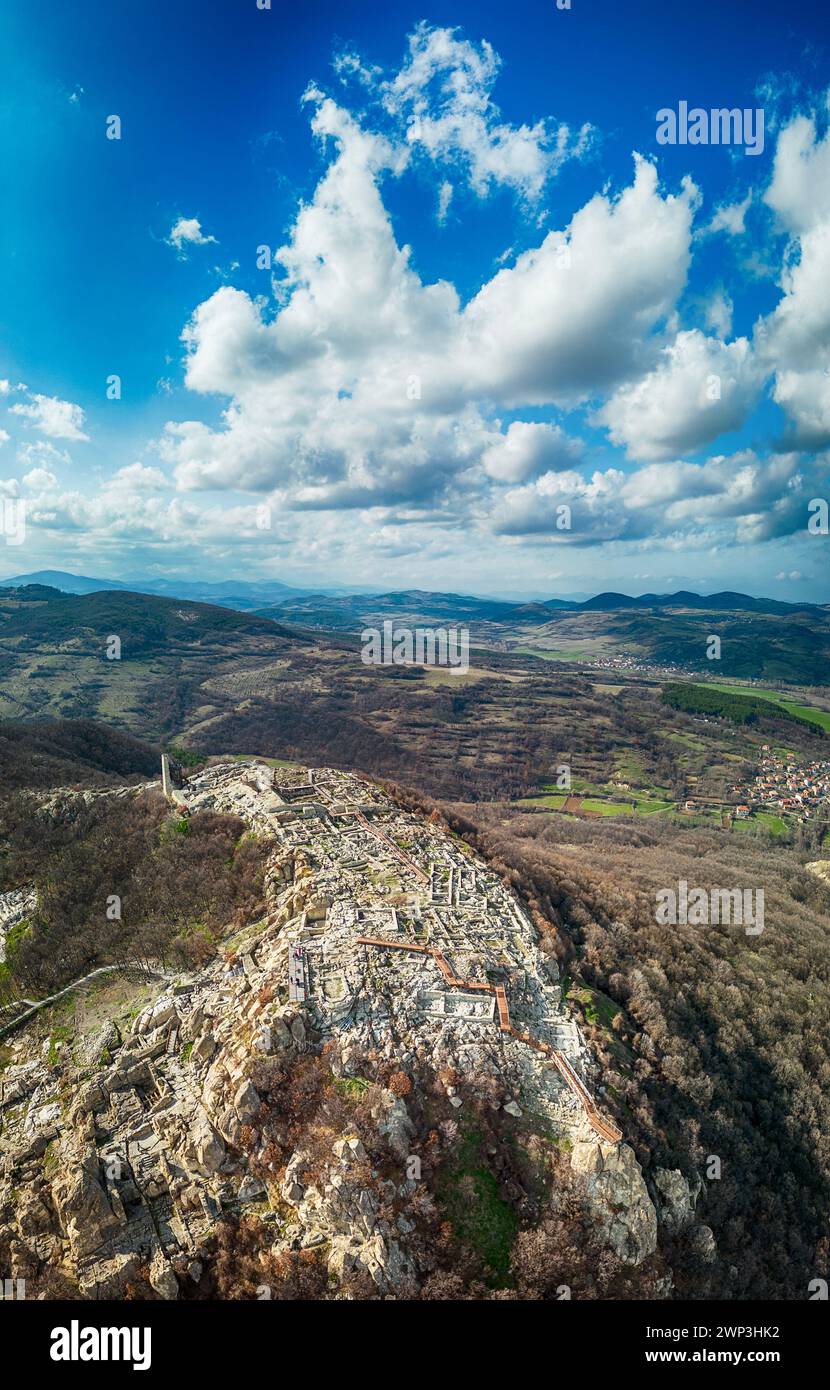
pixel 52 753
pixel 737 706
pixel 717 1043
pixel 177 882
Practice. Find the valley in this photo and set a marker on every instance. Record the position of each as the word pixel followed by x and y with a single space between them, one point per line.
pixel 211 680
pixel 453 879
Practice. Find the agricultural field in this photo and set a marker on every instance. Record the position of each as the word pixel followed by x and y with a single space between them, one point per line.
pixel 602 799
pixel 776 825
pixel 813 713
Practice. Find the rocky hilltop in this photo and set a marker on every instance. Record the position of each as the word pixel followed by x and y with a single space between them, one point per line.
pixel 154 1112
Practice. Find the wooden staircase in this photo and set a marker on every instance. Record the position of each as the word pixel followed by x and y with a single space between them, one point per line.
pixel 606 1129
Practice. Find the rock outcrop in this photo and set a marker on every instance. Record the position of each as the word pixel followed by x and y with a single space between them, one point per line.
pixel 676 1198
pixel 117 1162
pixel 618 1193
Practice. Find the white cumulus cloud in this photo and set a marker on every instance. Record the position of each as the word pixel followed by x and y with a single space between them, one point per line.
pixel 528 449
pixel 51 416
pixel 187 231
pixel 701 388
pixel 443 94
pixel 794 340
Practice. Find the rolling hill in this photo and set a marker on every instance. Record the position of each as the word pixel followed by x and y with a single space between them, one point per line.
pixel 58 658
pixel 761 639
pixel 69 752
pixel 231 593
pixel 221 681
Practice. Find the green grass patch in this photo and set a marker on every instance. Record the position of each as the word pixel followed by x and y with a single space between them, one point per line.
pixel 629 765
pixel 596 1006
pixel 774 824
pixel 808 712
pixel 57 1038
pixel 15 937
pixel 236 940
pixel 740 702
pixel 352 1087
pixel 481 1219
pixel 174 825
pixel 552 803
pixel 51 1161
pixel 811 713
pixel 256 758
pixel 647 806
pixel 581 784
pixel 606 808
pixel 186 756
pixel 550 653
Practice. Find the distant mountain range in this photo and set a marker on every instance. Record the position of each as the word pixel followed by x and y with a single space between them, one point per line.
pixel 229 593
pixel 343 610
pixel 144 622
pixel 726 600
pixel 342 605
pixel 179 660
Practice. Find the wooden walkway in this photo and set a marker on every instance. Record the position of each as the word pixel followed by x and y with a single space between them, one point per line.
pixel 603 1126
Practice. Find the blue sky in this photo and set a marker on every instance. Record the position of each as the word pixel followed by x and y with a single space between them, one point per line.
pixel 491 352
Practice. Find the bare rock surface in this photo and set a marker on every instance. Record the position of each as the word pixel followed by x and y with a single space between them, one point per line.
pixel 676 1198
pixel 124 1155
pixel 618 1192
